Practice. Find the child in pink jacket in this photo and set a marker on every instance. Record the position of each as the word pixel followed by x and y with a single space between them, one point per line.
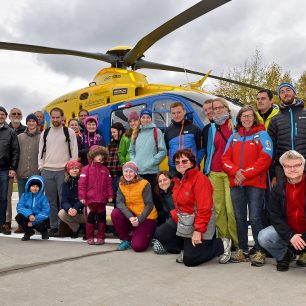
pixel 95 190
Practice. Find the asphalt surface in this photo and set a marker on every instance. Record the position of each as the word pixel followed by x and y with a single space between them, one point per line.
pixel 69 272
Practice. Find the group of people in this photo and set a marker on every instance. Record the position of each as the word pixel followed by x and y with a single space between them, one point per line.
pixel 253 169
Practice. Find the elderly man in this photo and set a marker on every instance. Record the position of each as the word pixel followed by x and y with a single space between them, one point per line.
pixel 287 211
pixel 287 129
pixel 9 157
pixel 15 117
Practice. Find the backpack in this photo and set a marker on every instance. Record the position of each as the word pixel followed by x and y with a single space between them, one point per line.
pixel 46 132
pixel 155 133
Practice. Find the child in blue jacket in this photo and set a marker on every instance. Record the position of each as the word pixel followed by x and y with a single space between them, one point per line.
pixel 33 209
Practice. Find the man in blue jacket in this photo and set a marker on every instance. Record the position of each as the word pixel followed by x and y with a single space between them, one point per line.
pixel 33 209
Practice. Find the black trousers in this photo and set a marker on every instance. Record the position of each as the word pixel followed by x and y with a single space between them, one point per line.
pixel 193 256
pixel 23 223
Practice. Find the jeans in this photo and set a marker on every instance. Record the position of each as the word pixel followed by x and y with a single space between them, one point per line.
pixel 245 198
pixel 4 180
pixel 270 240
pixel 21 186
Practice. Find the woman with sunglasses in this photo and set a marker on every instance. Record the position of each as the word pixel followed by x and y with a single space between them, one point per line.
pixel 246 159
pixel 220 131
pixel 192 194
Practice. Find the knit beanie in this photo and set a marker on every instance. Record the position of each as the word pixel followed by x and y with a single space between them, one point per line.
pixel 31 116
pixel 146 111
pixel 35 182
pixel 91 118
pixel 285 84
pixel 2 109
pixel 72 164
pixel 133 116
pixel 130 166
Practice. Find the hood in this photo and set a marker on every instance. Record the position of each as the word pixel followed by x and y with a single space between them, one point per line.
pixel 37 178
pixel 299 103
pixel 253 130
pixel 148 126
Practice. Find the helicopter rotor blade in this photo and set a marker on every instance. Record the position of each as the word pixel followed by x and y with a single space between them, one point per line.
pixel 46 50
pixel 171 25
pixel 142 64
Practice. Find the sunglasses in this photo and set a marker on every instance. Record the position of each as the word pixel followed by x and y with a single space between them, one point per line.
pixel 16 114
pixel 183 162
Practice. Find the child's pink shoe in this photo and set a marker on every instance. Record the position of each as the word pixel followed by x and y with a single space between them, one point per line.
pixel 90 241
pixel 100 241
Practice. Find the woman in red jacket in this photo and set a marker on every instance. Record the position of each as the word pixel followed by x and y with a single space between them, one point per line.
pixel 246 159
pixel 192 193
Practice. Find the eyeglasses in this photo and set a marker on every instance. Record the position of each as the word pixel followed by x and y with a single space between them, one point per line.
pixel 183 162
pixel 16 114
pixel 218 108
pixel 294 167
pixel 247 116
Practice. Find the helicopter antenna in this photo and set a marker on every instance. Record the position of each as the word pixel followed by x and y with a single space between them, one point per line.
pixel 186 73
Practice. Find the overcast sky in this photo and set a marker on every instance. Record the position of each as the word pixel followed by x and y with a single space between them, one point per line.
pixel 220 40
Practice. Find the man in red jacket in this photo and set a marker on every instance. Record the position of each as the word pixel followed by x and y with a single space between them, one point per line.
pixel 287 211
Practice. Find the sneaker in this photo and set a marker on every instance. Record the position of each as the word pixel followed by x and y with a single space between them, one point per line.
pixel 158 248
pixel 53 232
pixel 45 235
pixel 27 235
pixel 239 256
pixel 302 260
pixel 91 241
pixel 124 245
pixel 258 259
pixel 283 264
pixel 5 230
pixel 19 230
pixel 100 241
pixel 180 258
pixel 227 244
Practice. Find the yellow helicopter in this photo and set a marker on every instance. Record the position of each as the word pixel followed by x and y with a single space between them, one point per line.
pixel 118 90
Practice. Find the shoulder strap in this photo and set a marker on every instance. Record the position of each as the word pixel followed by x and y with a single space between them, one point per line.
pixel 218 128
pixel 66 132
pixel 43 151
pixel 155 132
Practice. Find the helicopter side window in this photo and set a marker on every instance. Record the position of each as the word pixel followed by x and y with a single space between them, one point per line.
pixel 121 115
pixel 162 113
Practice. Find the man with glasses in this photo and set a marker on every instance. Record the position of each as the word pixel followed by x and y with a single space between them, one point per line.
pixel 15 117
pixel 9 157
pixel 182 134
pixel 287 211
pixel 288 129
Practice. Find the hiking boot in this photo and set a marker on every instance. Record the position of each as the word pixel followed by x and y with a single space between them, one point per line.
pixel 8 224
pixel 180 258
pixel 53 232
pixel 302 260
pixel 91 241
pixel 158 248
pixel 5 230
pixel 283 264
pixel 239 256
pixel 258 259
pixel 74 235
pixel 100 241
pixel 19 230
pixel 124 245
pixel 28 235
pixel 45 235
pixel 227 244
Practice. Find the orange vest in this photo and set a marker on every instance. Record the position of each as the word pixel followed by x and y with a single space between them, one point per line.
pixel 133 198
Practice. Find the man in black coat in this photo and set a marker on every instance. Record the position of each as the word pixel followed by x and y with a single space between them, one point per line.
pixel 9 157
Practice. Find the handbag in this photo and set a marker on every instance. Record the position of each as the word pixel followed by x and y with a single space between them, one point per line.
pixel 185 225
